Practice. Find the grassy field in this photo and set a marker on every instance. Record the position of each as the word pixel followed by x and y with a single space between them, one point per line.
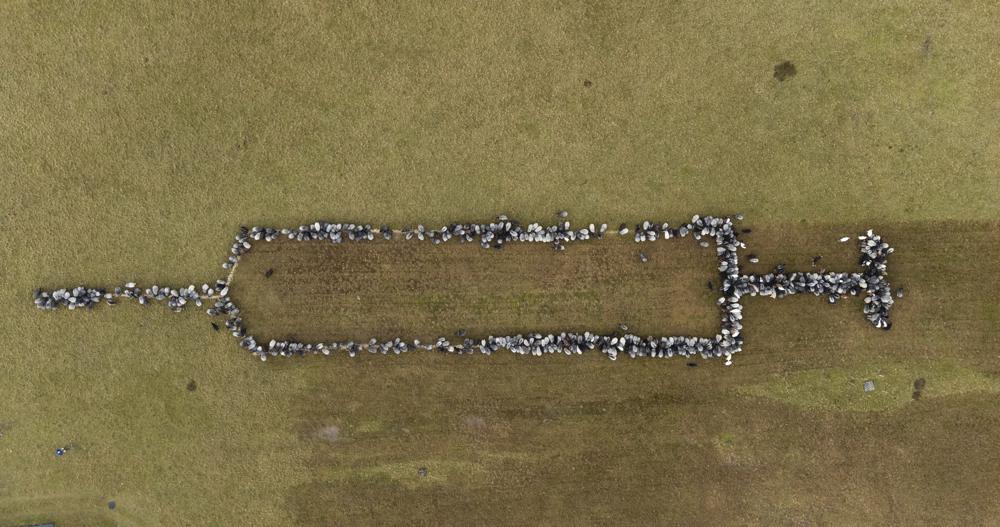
pixel 135 138
pixel 319 292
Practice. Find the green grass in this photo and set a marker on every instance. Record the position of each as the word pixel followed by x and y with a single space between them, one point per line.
pixel 836 389
pixel 135 138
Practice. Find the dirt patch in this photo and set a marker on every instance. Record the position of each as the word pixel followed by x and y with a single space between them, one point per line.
pixel 918 388
pixel 474 423
pixel 491 429
pixel 192 386
pixel 329 433
pixel 785 70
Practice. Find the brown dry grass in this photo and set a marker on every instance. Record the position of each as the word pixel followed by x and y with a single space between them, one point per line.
pixel 409 289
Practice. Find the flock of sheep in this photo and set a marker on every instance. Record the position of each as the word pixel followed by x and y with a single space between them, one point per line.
pixel 871 282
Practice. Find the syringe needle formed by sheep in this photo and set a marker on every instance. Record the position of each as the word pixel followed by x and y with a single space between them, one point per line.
pixel 870 282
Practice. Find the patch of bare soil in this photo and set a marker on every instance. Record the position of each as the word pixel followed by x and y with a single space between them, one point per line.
pixel 329 433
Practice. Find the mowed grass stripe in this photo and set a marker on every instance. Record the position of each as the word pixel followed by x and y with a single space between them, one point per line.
pixel 411 289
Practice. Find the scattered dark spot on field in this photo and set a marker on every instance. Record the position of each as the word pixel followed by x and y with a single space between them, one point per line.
pixel 192 386
pixel 692 365
pixel 587 83
pixel 925 48
pixel 215 327
pixel 918 387
pixel 785 70
pixel 112 505
pixel 422 472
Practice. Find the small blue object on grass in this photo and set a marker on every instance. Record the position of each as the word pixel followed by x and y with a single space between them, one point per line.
pixel 60 452
pixel 112 504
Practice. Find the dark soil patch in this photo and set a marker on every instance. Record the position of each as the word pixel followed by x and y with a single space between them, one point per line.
pixel 785 70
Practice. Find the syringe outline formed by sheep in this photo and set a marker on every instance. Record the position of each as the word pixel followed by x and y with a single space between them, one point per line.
pixel 871 281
